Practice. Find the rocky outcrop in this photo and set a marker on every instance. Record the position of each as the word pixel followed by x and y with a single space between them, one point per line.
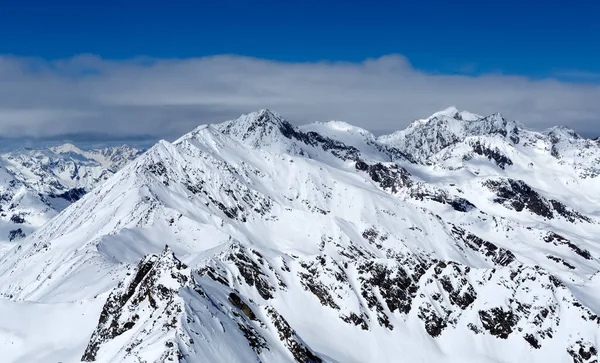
pixel 492 154
pixel 517 195
pixel 16 234
pixel 420 191
pixel 390 178
pixel 148 297
pixel 291 340
pixel 496 255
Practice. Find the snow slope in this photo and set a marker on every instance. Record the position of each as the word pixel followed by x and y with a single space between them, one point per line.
pixel 37 184
pixel 462 239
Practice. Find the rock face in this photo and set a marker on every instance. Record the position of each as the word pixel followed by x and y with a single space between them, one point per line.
pixel 517 195
pixel 461 238
pixel 492 154
pixel 146 302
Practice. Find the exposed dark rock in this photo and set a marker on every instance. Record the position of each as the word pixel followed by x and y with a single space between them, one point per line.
pixel 234 212
pixel 215 275
pixel 374 237
pixel 390 178
pixel 554 152
pixel 519 195
pixel 499 322
pixel 474 328
pixel 252 273
pixel 583 352
pixel 159 169
pixel 16 234
pixel 255 340
pixel 195 188
pixel 560 260
pixel 71 195
pixel 395 284
pixel 291 340
pixel 240 304
pixel 460 291
pixel 336 287
pixel 516 194
pixel 568 213
pixel 370 234
pixel 434 324
pixel 498 255
pixel 310 281
pixel 353 318
pixel 421 192
pixel 492 154
pixel 557 240
pixel 461 204
pixel 144 285
pixel 532 341
pixel 17 219
pixel 354 252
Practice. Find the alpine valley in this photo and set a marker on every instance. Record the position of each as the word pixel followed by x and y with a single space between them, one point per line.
pixel 459 239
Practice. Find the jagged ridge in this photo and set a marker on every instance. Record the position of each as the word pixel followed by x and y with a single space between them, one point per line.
pixel 299 243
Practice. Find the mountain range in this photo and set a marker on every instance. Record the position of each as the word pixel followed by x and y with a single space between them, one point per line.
pixel 35 185
pixel 461 238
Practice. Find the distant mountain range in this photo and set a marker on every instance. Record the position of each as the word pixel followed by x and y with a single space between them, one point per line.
pixel 462 238
pixel 37 184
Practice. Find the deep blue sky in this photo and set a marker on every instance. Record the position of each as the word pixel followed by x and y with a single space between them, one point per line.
pixel 532 38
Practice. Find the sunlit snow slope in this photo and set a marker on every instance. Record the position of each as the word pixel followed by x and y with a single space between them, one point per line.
pixel 37 184
pixel 460 239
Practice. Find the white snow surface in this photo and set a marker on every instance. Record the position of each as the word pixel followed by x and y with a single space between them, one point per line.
pixel 35 185
pixel 460 239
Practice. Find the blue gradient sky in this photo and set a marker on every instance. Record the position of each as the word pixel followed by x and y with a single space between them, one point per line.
pixel 133 70
pixel 552 39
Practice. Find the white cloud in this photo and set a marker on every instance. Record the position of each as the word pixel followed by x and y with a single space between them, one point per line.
pixel 166 98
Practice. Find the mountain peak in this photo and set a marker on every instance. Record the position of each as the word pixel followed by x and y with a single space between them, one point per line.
pixel 259 118
pixel 496 116
pixel 563 132
pixel 265 127
pixel 66 148
pixel 262 117
pixel 451 111
pixel 267 112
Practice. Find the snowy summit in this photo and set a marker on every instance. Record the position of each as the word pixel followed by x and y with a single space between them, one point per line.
pixel 462 238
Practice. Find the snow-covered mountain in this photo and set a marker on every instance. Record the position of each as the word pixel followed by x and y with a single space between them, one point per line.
pixel 37 184
pixel 460 239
